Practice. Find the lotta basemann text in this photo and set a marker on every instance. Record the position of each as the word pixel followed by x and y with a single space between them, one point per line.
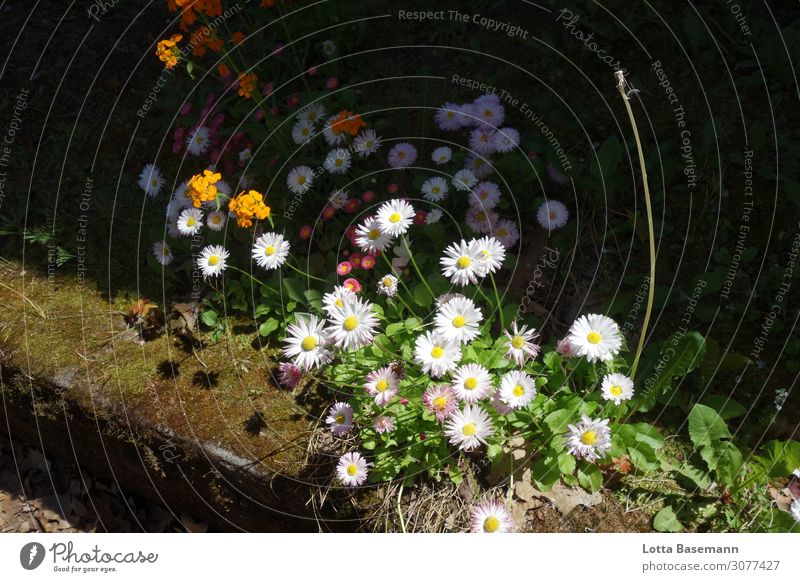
pixel 682 549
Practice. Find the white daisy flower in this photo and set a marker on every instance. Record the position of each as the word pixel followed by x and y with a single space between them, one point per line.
pixel 352 469
pixel 340 418
pixel 617 387
pixel 469 428
pixel 245 154
pixel 458 320
pixel 402 155
pixel 464 180
pixel 367 142
pixel 517 389
pixel 462 263
pixel 485 195
pixel 212 260
pixel 589 439
pixel 481 140
pixel 338 161
pixel 162 252
pixel 151 180
pixel 312 112
pixel 352 326
pixel 488 110
pixel 471 383
pixel 190 221
pixel 481 220
pixel 520 344
pixel 395 217
pixel 434 216
pixel 387 285
pixel 216 220
pixel 491 517
pixel 478 165
pixel 270 250
pixel 307 342
pixel 434 189
pixel 442 155
pixel 450 117
pixel 382 385
pixel 338 199
pixel 370 238
pixel 332 138
pixel 794 510
pixel 493 253
pixel 506 139
pixel 435 354
pixel 506 232
pixel 302 131
pixel 178 201
pixel 595 337
pixel 329 48
pixel 336 298
pixel 300 179
pixel 552 215
pixel 197 141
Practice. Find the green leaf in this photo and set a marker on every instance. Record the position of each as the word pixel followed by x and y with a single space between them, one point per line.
pixel 394 329
pixel 209 318
pixel 707 429
pixel 696 475
pixel 558 420
pixel 679 355
pixel 590 477
pixel 294 290
pixel 545 473
pixel 421 296
pixel 666 520
pixel 455 475
pixel 725 407
pixel 566 463
pixel 783 457
pixel 268 327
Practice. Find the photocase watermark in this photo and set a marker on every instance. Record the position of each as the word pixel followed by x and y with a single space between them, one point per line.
pixel 760 341
pixel 548 260
pixel 502 26
pixel 507 98
pixel 569 20
pixel 7 147
pixel 100 8
pixel 31 555
pixel 84 206
pixel 744 227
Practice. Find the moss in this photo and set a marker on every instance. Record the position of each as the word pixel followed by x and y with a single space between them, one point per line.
pixel 206 395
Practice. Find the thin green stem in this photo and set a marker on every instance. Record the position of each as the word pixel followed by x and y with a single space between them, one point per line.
pixel 499 304
pixel 243 272
pixel 307 275
pixel 400 509
pixel 622 87
pixel 416 268
pixel 403 283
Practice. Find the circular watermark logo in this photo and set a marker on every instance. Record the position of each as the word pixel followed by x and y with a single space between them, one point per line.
pixel 31 555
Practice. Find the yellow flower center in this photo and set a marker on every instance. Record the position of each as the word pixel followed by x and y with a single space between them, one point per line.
pixel 374 234
pixel 401 155
pixel 450 114
pixel 469 429
pixel 518 390
pixel 301 180
pixel 480 216
pixel 471 383
pixel 269 251
pixel 552 215
pixel 439 402
pixel 593 337
pixel 615 390
pixel 517 342
pixel 154 182
pixel 309 343
pixel 190 221
pixel 351 323
pixel 437 352
pixel 339 303
pixel 501 232
pixel 381 385
pixel 483 195
pixel 491 524
pixel 216 219
pixel 487 112
pixel 213 260
pixel 305 131
pixel 435 190
pixel 459 321
pixel 352 470
pixel 340 419
pixel 395 217
pixel 589 437
pixel 463 262
pixel 387 282
pixel 338 161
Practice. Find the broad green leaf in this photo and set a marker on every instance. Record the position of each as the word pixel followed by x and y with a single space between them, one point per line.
pixel 545 473
pixel 783 457
pixel 268 327
pixel 422 296
pixel 666 520
pixel 706 426
pixel 209 318
pixel 566 463
pixel 590 477
pixel 725 407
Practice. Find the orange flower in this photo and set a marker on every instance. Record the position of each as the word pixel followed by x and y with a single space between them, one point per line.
pixel 237 37
pixel 202 187
pixel 347 122
pixel 223 70
pixel 247 206
pixel 247 84
pixel 167 50
pixel 203 39
pixel 267 3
